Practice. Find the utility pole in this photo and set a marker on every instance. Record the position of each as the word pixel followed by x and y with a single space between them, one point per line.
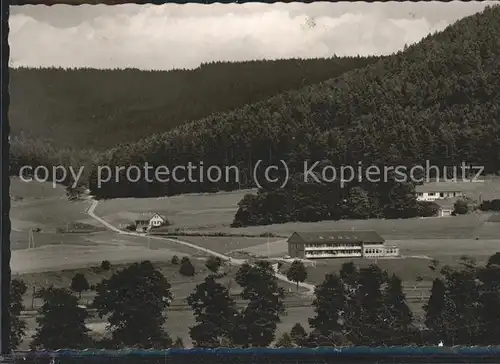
pixel 31 243
pixel 268 248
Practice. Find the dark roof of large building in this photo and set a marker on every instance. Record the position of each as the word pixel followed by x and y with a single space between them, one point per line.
pixel 348 236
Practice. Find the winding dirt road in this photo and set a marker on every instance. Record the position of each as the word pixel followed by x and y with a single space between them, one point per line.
pixel 232 261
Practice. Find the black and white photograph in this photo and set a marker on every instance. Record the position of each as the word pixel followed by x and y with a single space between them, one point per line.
pixel 255 175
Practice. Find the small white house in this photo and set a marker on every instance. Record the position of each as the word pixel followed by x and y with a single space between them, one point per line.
pixel 156 221
pixel 148 222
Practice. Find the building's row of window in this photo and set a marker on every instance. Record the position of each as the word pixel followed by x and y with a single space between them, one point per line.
pixel 381 251
pixel 440 194
pixel 331 245
pixel 333 252
pixel 373 251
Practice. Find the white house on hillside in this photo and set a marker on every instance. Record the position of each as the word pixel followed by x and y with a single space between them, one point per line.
pixel 149 221
pixel 438 191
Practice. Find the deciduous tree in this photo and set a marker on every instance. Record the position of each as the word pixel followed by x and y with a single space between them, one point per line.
pixel 79 284
pixel 17 325
pixel 266 303
pixel 371 319
pixel 214 311
pixel 61 322
pixel 298 335
pixel 398 314
pixel 297 272
pixel 435 310
pixel 135 300
pixel 329 307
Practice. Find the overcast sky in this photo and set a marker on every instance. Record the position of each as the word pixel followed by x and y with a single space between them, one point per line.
pixel 183 36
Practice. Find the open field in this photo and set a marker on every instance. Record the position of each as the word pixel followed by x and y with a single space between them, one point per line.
pixel 43 207
pixel 215 212
pixel 408 269
pixel 447 249
pixel 224 244
pixel 48 209
pixel 218 219
pixel 89 249
pixel 64 257
pixel 190 211
pixel 31 191
pixel 452 227
pixel 48 214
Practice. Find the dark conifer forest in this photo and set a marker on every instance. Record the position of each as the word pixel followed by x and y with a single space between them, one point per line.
pixel 71 117
pixel 433 101
pixel 98 109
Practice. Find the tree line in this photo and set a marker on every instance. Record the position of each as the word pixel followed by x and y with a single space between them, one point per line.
pixel 490 205
pixel 315 201
pixel 354 306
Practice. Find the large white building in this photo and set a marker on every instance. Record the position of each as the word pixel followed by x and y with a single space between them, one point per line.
pixel 339 244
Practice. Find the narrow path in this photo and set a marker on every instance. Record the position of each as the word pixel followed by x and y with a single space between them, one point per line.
pixel 232 261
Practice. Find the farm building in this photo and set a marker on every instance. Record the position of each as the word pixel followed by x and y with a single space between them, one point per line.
pixel 339 244
pixel 446 206
pixel 438 191
pixel 445 211
pixel 147 222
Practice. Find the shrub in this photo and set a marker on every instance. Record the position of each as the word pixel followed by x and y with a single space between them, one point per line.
pixel 427 208
pixel 105 265
pixel 187 268
pixel 461 207
pixel 284 341
pixel 79 284
pixel 490 205
pixel 213 264
pixel 178 343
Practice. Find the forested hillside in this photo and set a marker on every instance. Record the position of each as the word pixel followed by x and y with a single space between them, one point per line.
pixel 436 100
pixel 98 109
